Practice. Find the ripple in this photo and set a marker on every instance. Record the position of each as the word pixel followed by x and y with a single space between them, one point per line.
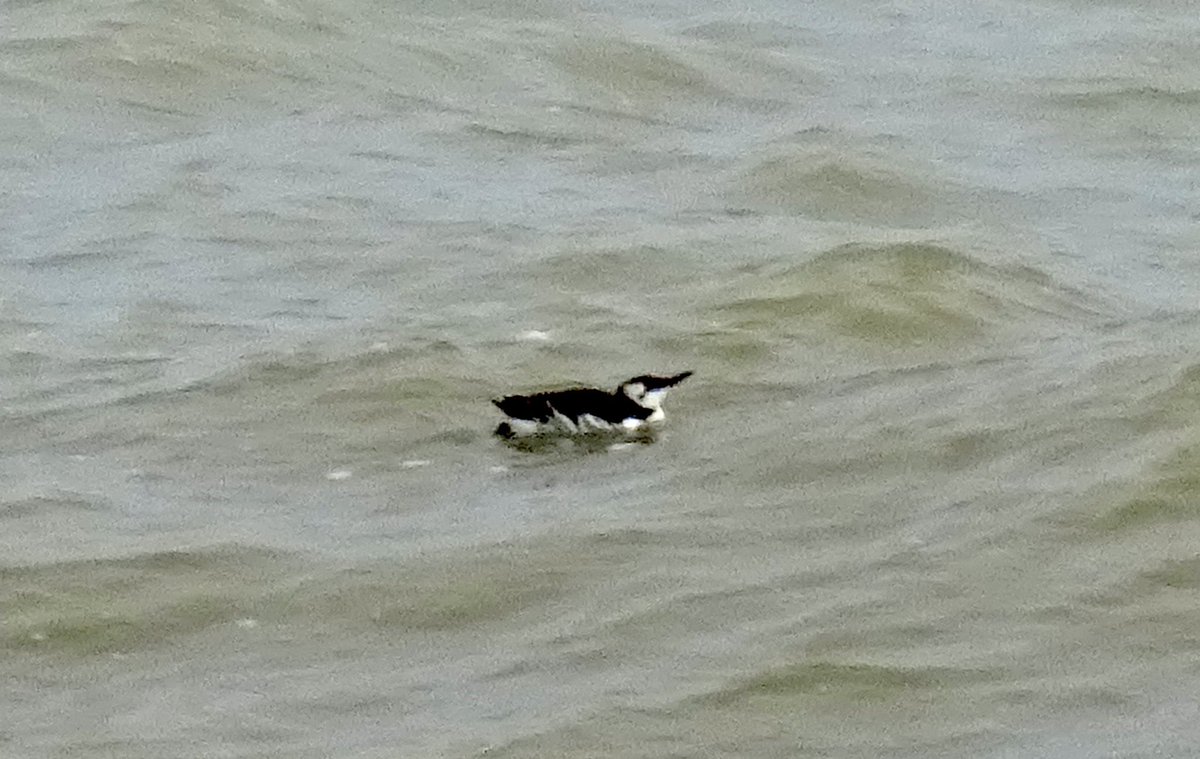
pixel 89 607
pixel 448 598
pixel 636 71
pixel 847 680
pixel 42 505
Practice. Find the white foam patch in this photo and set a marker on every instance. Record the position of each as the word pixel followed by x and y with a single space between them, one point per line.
pixel 247 623
pixel 534 335
pixel 339 474
pixel 498 469
pixel 414 463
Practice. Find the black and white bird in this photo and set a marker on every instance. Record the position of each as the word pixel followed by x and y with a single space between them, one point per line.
pixel 635 404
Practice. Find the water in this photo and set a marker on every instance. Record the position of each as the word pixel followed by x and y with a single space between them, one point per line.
pixel 931 492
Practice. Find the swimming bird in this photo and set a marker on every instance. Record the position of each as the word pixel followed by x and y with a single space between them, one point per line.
pixel 635 403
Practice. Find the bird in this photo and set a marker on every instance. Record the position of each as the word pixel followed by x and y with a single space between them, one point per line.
pixel 635 404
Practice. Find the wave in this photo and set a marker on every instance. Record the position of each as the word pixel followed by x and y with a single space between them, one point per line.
pixel 1140 115
pixel 41 505
pixel 899 293
pixel 848 680
pixel 838 189
pixel 772 713
pixel 829 175
pixel 87 607
pixel 1103 98
pixel 636 70
pixel 1168 494
pixel 402 599
pixel 1174 406
pixel 177 59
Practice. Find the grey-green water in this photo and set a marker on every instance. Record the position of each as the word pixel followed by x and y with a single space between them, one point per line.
pixel 932 491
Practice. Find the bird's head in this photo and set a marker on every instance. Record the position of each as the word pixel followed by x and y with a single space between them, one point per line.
pixel 649 390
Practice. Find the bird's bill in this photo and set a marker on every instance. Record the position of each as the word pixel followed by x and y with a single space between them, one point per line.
pixel 660 383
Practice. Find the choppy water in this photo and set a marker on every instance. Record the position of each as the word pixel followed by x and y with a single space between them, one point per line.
pixel 933 490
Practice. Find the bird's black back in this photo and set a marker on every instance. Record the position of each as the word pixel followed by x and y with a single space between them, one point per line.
pixel 574 403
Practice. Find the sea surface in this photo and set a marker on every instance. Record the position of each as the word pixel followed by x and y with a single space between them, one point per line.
pixel 933 491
